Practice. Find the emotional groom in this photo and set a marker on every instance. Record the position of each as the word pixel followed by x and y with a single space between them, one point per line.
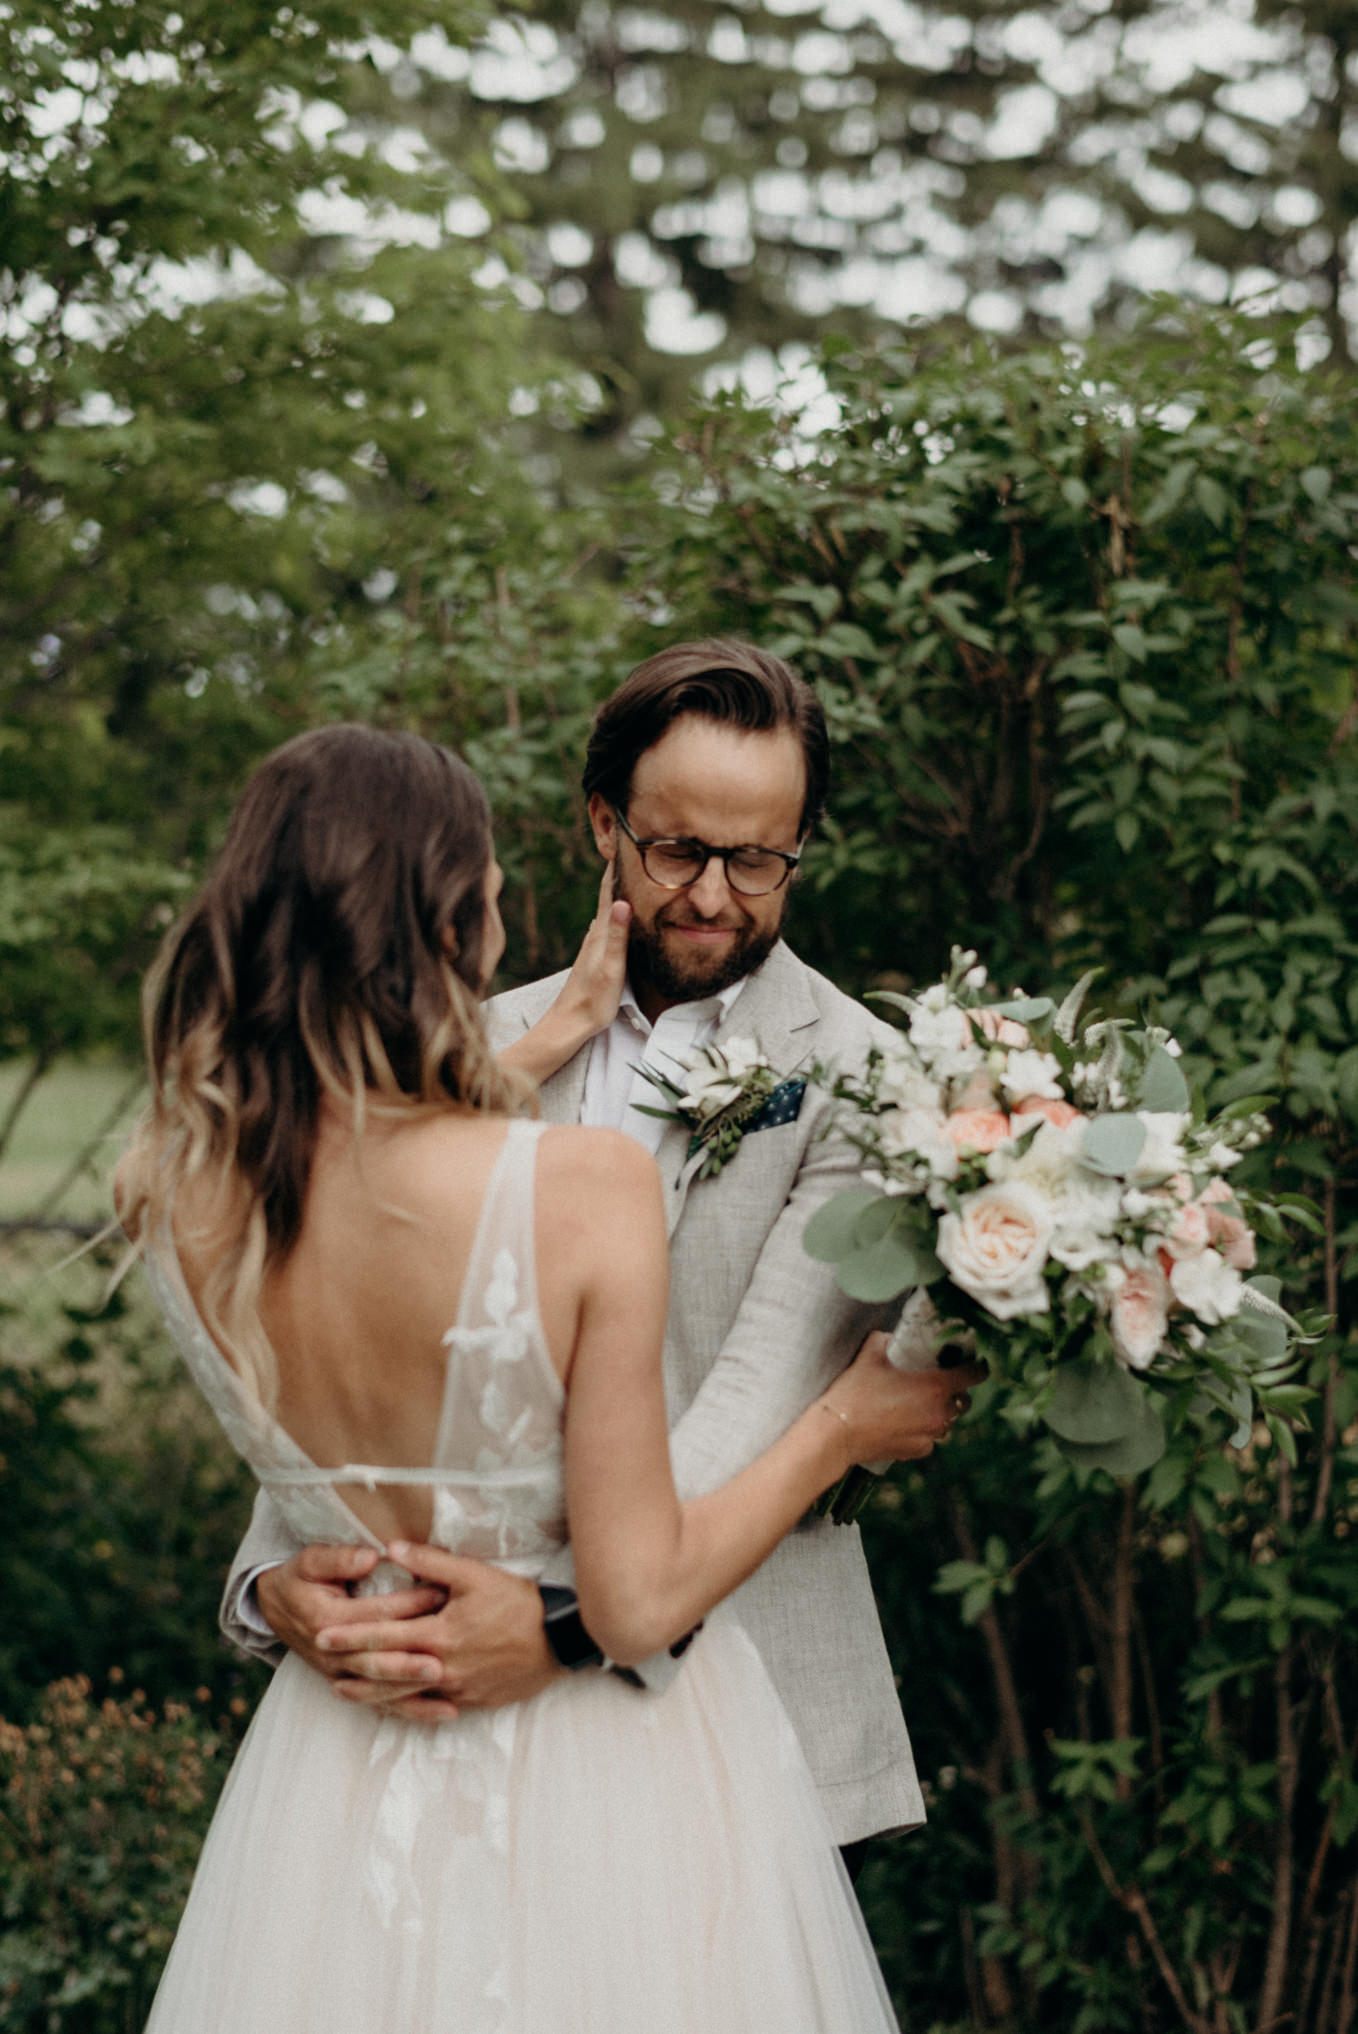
pixel 705 773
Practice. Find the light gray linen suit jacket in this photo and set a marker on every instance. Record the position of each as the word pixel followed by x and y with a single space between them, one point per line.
pixel 756 1330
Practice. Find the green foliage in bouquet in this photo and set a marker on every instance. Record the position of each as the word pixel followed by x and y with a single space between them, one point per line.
pixel 1053 1184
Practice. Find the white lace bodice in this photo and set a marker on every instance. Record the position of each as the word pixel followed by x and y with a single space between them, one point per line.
pixel 496 1467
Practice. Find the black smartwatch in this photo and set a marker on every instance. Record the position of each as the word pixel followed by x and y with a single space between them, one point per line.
pixel 571 1645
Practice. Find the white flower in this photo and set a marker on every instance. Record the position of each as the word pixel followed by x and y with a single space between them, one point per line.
pixel 902 1082
pixel 942 1036
pixel 1139 1315
pixel 974 978
pixel 709 1090
pixel 1221 1157
pixel 1032 1073
pixel 717 1075
pixel 995 1247
pixel 1163 1152
pixel 1135 1204
pixel 742 1056
pixel 1208 1286
pixel 919 1133
pixel 1083 1205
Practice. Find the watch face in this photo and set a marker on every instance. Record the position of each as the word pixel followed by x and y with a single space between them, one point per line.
pixel 570 1643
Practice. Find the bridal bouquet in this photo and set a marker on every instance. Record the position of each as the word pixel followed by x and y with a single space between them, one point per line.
pixel 1071 1216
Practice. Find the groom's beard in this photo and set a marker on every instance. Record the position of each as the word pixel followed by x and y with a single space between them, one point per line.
pixel 679 975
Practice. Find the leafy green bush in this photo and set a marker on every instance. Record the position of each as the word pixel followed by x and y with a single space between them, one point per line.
pixel 120 1503
pixel 1086 626
pixel 103 1808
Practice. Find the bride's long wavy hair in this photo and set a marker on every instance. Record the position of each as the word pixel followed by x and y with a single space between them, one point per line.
pixel 335 950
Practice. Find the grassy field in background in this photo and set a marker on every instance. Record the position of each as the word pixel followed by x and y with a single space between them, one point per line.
pixel 75 1101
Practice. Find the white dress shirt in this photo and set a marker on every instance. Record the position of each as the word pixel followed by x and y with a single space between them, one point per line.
pixel 614 1084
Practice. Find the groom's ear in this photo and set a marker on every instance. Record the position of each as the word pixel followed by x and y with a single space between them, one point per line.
pixel 604 824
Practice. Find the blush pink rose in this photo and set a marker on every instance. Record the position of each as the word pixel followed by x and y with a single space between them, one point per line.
pixel 1001 1030
pixel 1192 1231
pixel 1228 1233
pixel 978 1129
pixel 1060 1113
pixel 1140 1315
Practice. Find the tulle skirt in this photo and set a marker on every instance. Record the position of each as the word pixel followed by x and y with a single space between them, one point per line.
pixel 597 1861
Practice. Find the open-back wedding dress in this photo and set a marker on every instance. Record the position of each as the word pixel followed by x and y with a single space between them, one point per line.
pixel 599 1860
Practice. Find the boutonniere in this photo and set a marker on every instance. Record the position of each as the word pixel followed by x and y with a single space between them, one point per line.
pixel 722 1091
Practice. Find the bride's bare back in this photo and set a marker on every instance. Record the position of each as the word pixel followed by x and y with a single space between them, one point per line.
pixel 358 1311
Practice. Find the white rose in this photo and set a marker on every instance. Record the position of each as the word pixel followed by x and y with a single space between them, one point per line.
pixel 1033 1073
pixel 1208 1286
pixel 995 1247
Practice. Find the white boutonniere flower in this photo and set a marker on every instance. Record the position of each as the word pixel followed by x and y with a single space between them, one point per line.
pixel 719 1090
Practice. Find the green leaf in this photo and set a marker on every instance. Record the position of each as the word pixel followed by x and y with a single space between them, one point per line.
pixel 1126 831
pixel 1163 1087
pixel 1112 1144
pixel 1068 1016
pixel 1131 1456
pixel 829 1235
pixel 1094 1404
pixel 890 1262
pixel 1316 482
pixel 1212 500
pixel 1026 1009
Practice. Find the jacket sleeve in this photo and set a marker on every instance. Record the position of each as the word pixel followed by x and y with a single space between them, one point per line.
pixel 794 1333
pixel 268 1541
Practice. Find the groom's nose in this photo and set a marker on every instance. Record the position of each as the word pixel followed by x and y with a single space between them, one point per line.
pixel 711 893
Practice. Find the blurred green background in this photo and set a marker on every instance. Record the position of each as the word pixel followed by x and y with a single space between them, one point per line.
pixel 419 366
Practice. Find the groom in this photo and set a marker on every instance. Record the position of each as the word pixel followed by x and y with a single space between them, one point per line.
pixel 705 773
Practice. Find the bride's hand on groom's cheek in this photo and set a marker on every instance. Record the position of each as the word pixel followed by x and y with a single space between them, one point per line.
pixel 484 1646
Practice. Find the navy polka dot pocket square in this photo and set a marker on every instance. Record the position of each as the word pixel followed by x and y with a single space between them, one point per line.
pixel 784 1105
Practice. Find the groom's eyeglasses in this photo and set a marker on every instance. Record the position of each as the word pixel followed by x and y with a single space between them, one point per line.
pixel 674 864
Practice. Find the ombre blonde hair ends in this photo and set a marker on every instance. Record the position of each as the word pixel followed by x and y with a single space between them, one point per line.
pixel 335 949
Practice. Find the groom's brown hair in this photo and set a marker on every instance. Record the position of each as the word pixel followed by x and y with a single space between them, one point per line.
pixel 723 680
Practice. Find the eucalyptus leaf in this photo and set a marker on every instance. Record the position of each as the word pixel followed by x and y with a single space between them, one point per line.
pixel 1163 1087
pixel 876 1220
pixel 1113 1143
pixel 1025 1009
pixel 1094 1404
pixel 1131 1455
pixel 829 1235
pixel 894 1264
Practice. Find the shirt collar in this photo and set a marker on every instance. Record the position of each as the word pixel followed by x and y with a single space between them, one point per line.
pixel 716 1008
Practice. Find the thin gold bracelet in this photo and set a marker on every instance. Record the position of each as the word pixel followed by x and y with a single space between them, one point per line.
pixel 833 1410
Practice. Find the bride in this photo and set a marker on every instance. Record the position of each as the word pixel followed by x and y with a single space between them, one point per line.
pixel 422 1316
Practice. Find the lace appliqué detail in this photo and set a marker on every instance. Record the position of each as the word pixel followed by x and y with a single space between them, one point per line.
pixel 505 1422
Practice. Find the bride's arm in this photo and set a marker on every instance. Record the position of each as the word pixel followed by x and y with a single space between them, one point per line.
pixel 588 1001
pixel 648 1568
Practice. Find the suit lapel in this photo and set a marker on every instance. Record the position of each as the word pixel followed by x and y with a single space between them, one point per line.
pixel 777 1009
pixel 562 1095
